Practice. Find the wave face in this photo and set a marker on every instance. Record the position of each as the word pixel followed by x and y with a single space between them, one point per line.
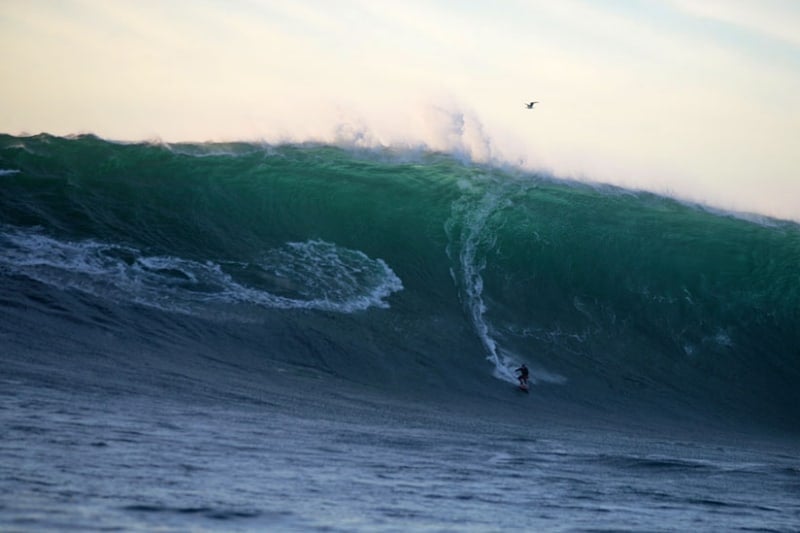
pixel 407 268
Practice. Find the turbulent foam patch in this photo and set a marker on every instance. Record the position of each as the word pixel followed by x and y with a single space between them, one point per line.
pixel 310 275
pixel 319 275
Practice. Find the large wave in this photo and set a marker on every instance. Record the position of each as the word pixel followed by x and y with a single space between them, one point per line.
pixel 436 263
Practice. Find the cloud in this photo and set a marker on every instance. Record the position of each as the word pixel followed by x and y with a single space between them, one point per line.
pixel 775 19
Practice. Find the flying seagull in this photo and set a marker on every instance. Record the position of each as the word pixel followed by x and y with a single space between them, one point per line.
pixel 530 105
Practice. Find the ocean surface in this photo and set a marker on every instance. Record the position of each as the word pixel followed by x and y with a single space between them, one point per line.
pixel 250 337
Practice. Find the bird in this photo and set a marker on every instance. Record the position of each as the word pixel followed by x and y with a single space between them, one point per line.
pixel 530 105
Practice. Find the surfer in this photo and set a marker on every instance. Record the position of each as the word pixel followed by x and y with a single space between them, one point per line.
pixel 531 104
pixel 523 375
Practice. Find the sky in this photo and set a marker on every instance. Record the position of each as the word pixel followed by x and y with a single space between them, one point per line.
pixel 699 99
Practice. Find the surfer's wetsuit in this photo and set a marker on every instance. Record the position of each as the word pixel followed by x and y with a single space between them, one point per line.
pixel 523 374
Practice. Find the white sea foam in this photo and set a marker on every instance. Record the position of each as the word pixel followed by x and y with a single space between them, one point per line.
pixel 309 275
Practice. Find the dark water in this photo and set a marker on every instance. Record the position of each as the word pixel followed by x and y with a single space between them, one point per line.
pixel 246 337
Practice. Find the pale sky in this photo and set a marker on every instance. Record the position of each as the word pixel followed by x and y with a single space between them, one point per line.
pixel 695 98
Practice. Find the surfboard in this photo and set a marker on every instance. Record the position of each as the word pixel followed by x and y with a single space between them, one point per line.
pixel 523 388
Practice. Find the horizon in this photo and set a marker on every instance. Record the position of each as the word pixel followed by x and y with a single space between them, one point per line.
pixel 695 100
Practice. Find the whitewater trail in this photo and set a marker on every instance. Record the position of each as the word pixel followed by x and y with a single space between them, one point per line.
pixel 471 241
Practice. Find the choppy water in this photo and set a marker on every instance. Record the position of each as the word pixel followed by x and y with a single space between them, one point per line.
pixel 78 461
